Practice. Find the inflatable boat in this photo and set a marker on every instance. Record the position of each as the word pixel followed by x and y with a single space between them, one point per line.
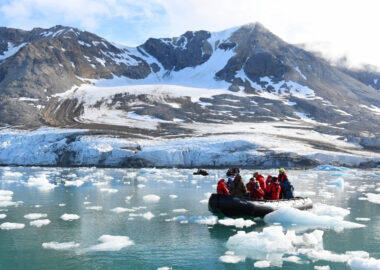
pixel 204 173
pixel 235 206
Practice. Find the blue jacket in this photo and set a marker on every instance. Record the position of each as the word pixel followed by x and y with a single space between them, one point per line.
pixel 287 189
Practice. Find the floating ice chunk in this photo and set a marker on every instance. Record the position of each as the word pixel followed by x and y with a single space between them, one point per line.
pixel 205 201
pixel 230 257
pixel 11 226
pixel 95 208
pixel 86 203
pixel 61 204
pixel 140 185
pixel 41 182
pixel 60 246
pixel 321 267
pixel 180 210
pixel 8 174
pixel 329 210
pixel 207 220
pixel 108 190
pixel 75 183
pixel 39 223
pixel 326 255
pixel 238 223
pixel 330 168
pixel 35 216
pixel 6 192
pixel 173 196
pixel 293 259
pixel 261 264
pixel 293 217
pixel 122 210
pixel 69 217
pixel 267 245
pixel 111 243
pixel 339 183
pixel 362 219
pixel 364 264
pixel 2 216
pixel 151 198
pixel 148 215
pixel 164 268
pixel 373 197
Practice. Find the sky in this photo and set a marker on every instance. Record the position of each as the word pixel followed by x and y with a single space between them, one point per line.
pixel 335 27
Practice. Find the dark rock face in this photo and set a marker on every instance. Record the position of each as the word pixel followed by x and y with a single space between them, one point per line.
pixel 369 76
pixel 189 50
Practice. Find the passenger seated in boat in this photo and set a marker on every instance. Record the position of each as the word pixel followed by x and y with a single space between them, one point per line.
pixel 237 187
pixel 259 178
pixel 221 188
pixel 229 183
pixel 233 172
pixel 274 190
pixel 255 191
pixel 286 187
pixel 268 181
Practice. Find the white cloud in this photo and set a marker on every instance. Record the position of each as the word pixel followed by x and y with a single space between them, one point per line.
pixel 340 27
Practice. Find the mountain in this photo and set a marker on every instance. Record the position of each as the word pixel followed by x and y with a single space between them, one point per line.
pixel 199 84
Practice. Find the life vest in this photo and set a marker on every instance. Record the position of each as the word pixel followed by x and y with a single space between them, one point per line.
pixel 273 191
pixel 261 181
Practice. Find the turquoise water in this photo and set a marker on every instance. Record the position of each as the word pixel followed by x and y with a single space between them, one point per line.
pixel 159 241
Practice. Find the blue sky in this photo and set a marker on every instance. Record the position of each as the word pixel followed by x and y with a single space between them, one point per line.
pixel 337 28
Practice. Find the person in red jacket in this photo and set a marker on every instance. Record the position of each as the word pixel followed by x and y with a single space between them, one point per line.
pixel 274 190
pixel 255 190
pixel 268 181
pixel 221 188
pixel 259 178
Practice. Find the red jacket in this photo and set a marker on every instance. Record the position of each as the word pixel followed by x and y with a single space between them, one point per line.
pixel 273 191
pixel 255 192
pixel 261 181
pixel 281 177
pixel 221 188
pixel 268 181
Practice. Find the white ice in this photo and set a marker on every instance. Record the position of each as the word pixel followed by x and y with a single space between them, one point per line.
pixel 261 264
pixel 69 217
pixel 238 223
pixel 60 246
pixel 35 216
pixel 151 198
pixel 111 243
pixel 11 226
pixel 39 223
pixel 364 264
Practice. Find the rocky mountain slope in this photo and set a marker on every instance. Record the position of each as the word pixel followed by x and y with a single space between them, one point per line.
pixel 199 84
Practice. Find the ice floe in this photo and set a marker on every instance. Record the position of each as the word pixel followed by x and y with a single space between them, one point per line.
pixel 304 219
pixel 108 190
pixel 321 267
pixel 230 257
pixel 39 223
pixel 238 223
pixel 122 210
pixel 373 197
pixel 180 210
pixel 173 196
pixel 69 217
pixel 60 246
pixel 41 182
pixel 95 208
pixel 151 198
pixel 329 210
pixel 11 226
pixel 2 216
pixel 364 264
pixel 261 264
pixel 111 243
pixel 35 216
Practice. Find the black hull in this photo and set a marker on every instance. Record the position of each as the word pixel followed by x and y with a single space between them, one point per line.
pixel 203 174
pixel 236 206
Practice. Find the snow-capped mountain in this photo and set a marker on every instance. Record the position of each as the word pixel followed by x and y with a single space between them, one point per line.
pixel 198 84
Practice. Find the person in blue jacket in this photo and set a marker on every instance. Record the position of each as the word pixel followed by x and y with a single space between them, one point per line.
pixel 286 187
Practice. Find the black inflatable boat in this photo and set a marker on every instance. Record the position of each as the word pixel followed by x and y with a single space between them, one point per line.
pixel 236 206
pixel 204 173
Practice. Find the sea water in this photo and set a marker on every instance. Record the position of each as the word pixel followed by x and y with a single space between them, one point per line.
pixel 93 218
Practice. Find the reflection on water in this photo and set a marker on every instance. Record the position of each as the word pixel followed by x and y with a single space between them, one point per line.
pixel 110 202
